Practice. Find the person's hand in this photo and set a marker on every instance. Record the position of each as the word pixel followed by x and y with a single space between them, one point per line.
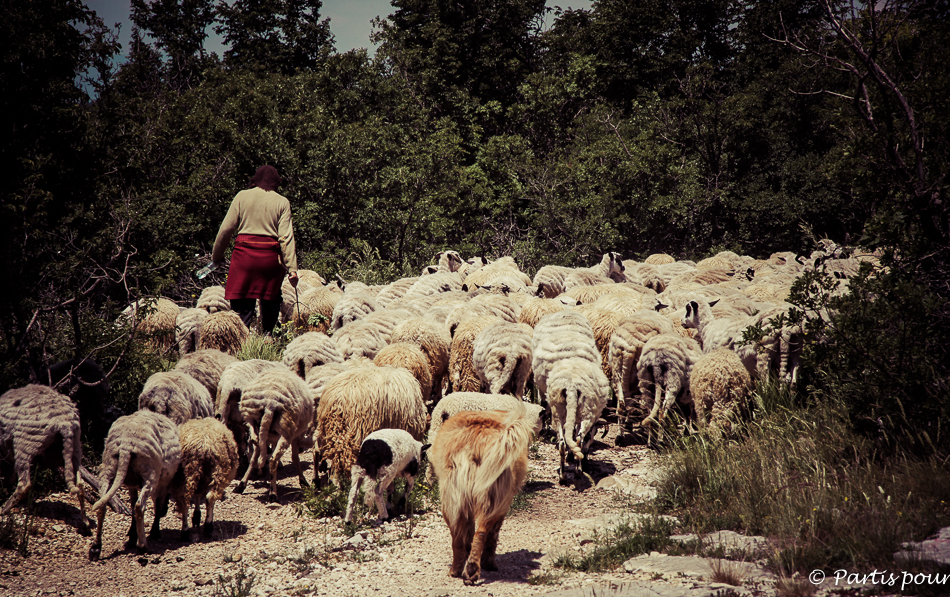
pixel 294 279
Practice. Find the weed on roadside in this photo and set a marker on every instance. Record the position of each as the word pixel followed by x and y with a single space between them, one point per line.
pixel 615 546
pixel 237 585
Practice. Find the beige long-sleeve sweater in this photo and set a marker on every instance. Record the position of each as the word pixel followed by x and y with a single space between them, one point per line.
pixel 256 211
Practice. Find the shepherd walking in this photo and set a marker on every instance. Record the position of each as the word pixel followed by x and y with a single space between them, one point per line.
pixel 264 249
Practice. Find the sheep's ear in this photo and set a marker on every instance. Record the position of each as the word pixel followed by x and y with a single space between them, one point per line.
pixel 713 304
pixel 424 448
pixel 689 309
pixel 540 292
pixel 694 305
pixel 660 306
pixel 464 287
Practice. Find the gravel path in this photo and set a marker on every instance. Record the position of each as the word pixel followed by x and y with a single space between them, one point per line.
pixel 287 552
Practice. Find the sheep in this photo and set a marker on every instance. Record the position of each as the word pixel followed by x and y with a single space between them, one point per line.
pixel 549 280
pixel 142 453
pixel 713 333
pixel 350 307
pixel 585 294
pixel 318 377
pixel 278 408
pixel 434 284
pixel 625 303
pixel 385 320
pixel 481 460
pixel 577 391
pixel 462 376
pixel 359 401
pixel 384 455
pixel 311 309
pixel 394 291
pixel 503 266
pixel 209 462
pixel 435 342
pixel 466 311
pixel 223 330
pixel 206 366
pixel 720 386
pixel 664 366
pixel 176 395
pixel 583 277
pixel 33 419
pixel 501 355
pixel 648 275
pixel 311 278
pixel 626 345
pixel 308 350
pixel 474 401
pixel 408 356
pixel 658 259
pixel 503 305
pixel 234 379
pixel 188 329
pixel 536 308
pixel 153 317
pixel 212 300
pixel 557 336
pixel 603 322
pixel 359 339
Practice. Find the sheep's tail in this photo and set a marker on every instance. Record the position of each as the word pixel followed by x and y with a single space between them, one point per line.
pixel 72 455
pixel 570 422
pixel 122 468
pixel 508 372
pixel 267 419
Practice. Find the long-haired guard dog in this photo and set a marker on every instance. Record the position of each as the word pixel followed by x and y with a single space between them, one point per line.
pixel 481 460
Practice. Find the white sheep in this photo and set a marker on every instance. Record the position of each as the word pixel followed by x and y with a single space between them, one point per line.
pixel 176 395
pixel 209 462
pixel 310 309
pixel 577 391
pixel 359 401
pixel 308 350
pixel 234 379
pixel 561 335
pixel 626 345
pixel 212 300
pixel 206 366
pixel 549 280
pixel 359 339
pixel 384 455
pixel 277 407
pixel 663 372
pixel 394 291
pixel 188 329
pixel 142 453
pixel 386 320
pixel 501 355
pixel 462 375
pixel 32 419
pixel 351 306
pixel 535 308
pixel 434 284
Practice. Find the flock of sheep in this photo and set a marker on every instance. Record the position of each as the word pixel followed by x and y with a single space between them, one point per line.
pixel 375 371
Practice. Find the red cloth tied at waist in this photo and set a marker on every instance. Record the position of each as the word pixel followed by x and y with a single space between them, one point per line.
pixel 256 270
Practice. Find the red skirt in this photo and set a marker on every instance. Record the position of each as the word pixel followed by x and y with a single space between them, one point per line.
pixel 256 271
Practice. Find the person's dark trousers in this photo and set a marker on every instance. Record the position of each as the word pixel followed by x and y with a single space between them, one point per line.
pixel 245 308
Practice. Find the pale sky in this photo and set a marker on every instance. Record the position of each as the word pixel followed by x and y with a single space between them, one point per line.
pixel 350 20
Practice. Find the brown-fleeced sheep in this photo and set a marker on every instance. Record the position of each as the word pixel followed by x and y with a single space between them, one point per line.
pixel 224 331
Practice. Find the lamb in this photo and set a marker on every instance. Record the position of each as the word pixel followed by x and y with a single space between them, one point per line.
pixel 206 366
pixel 209 462
pixel 142 453
pixel 212 300
pixel 462 376
pixel 154 318
pixel 435 342
pixel 626 345
pixel 224 331
pixel 408 356
pixel 455 403
pixel 501 355
pixel 664 366
pixel 308 350
pixel 176 395
pixel 188 329
pixel 359 401
pixel 350 307
pixel 359 339
pixel 384 455
pixel 32 419
pixel 234 379
pixel 278 408
pixel 481 460
pixel 720 386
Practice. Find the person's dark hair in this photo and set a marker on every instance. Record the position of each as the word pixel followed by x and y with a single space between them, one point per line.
pixel 266 177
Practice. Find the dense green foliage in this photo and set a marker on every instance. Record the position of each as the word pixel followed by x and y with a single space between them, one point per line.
pixel 681 126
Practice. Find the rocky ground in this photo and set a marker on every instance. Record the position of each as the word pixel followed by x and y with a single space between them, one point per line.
pixel 259 548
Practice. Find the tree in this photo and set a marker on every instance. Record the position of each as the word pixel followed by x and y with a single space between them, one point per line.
pixel 279 36
pixel 178 28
